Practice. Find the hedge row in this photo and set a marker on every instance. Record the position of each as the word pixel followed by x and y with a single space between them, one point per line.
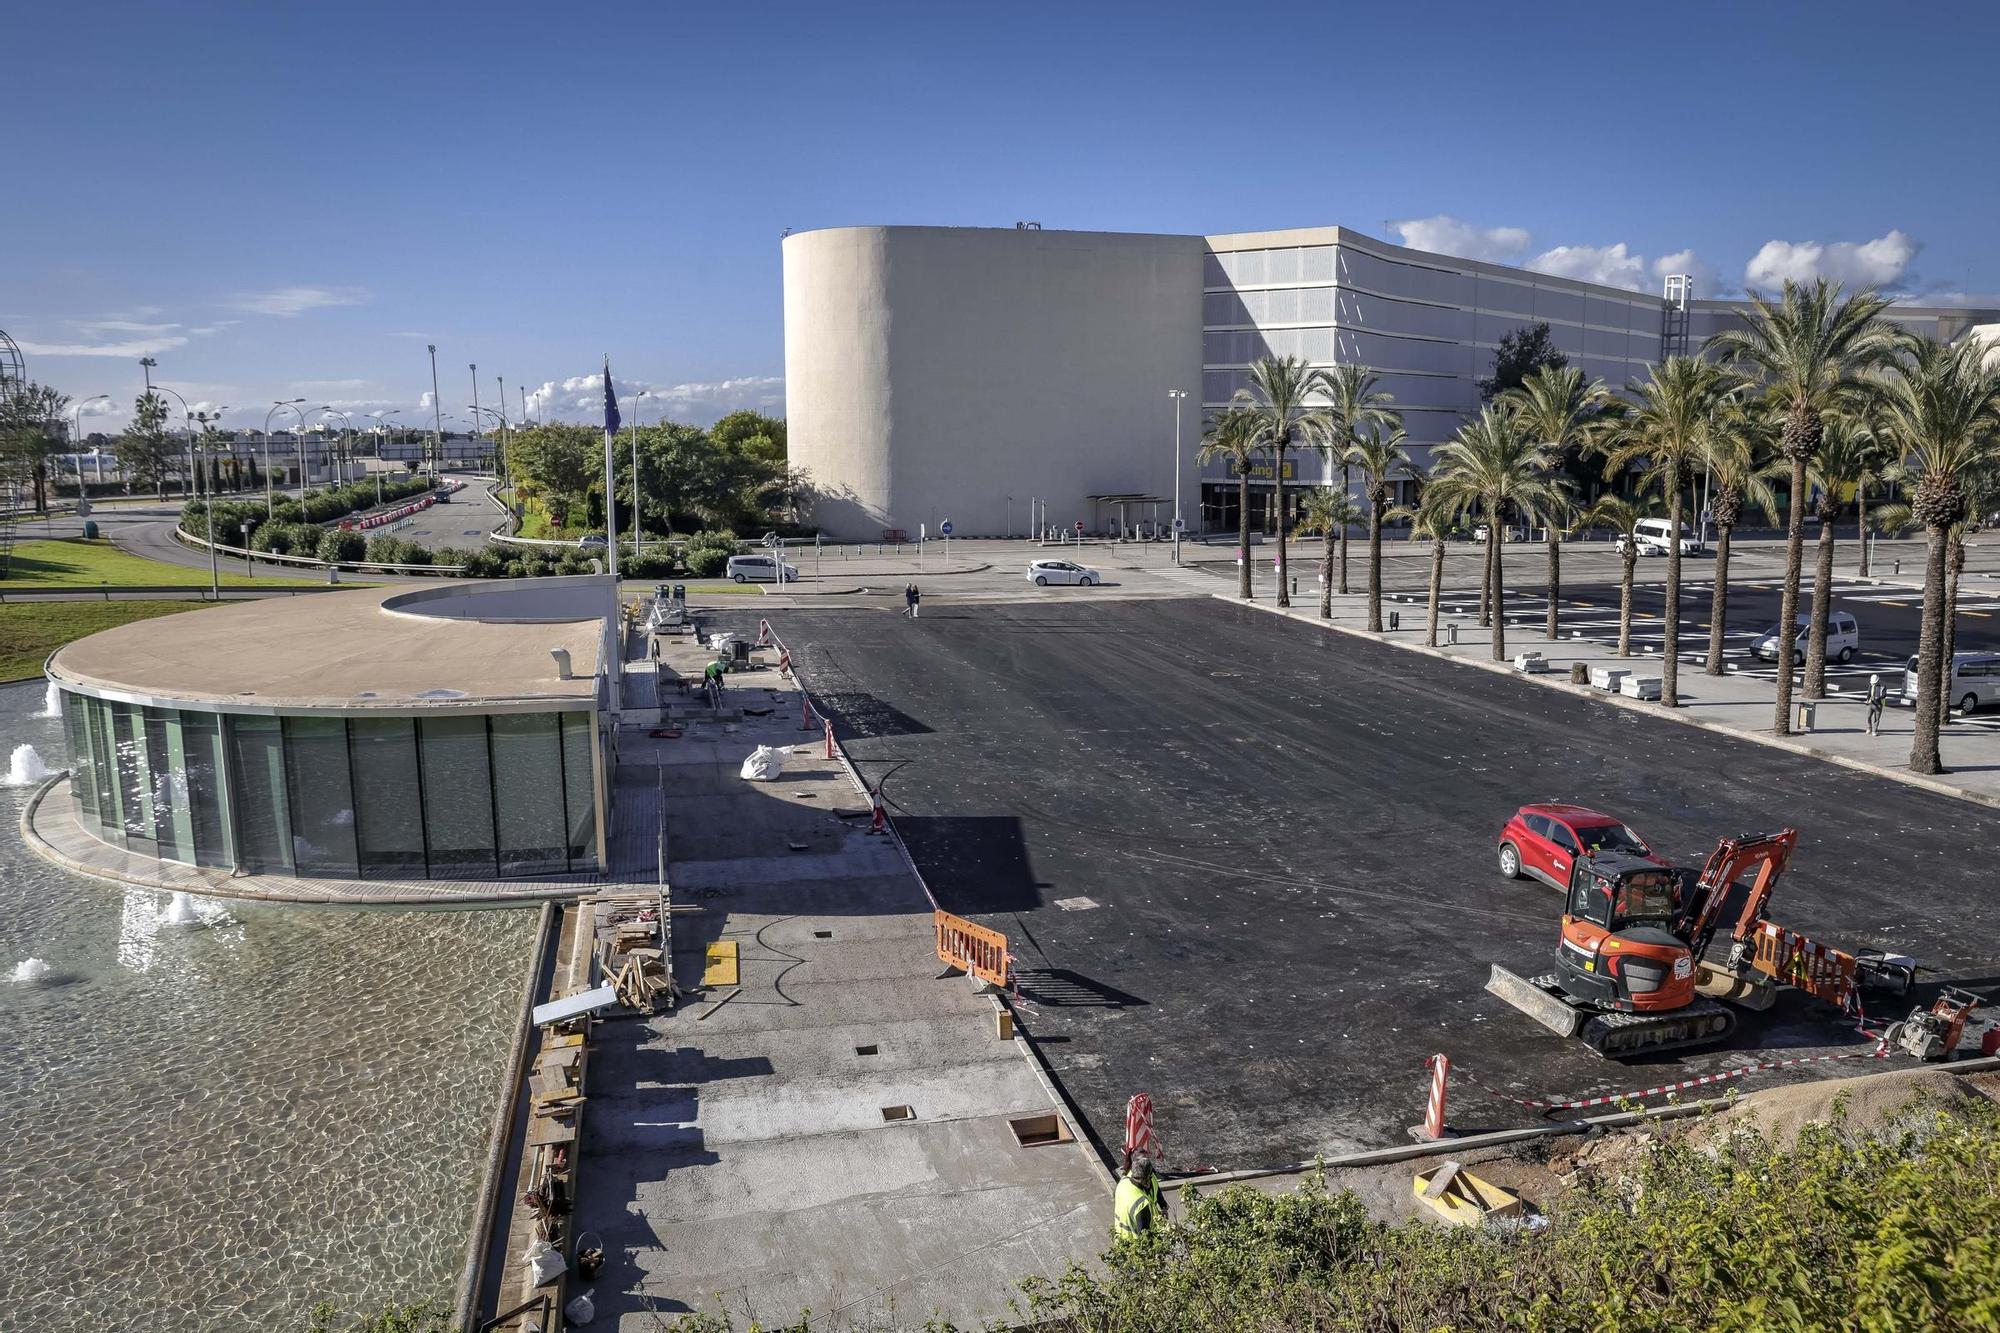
pixel 235 518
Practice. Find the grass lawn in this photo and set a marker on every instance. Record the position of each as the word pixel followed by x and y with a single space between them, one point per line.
pixel 76 563
pixel 30 632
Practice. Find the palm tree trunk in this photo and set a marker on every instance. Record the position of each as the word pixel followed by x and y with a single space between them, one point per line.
pixel 1550 630
pixel 1930 640
pixel 1437 589
pixel 1625 600
pixel 1345 489
pixel 1325 582
pixel 1486 576
pixel 1822 612
pixel 1861 524
pixel 1954 561
pixel 1494 536
pixel 1278 476
pixel 1718 603
pixel 1243 533
pixel 1670 647
pixel 1788 600
pixel 1374 564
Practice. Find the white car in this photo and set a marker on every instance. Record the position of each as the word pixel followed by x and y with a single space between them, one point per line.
pixel 1843 640
pixel 1044 572
pixel 759 569
pixel 1645 547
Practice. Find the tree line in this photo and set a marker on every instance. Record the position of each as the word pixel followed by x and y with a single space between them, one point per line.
pixel 1819 393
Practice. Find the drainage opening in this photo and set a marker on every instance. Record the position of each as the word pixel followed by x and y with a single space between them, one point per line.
pixel 1032 1131
pixel 822 934
pixel 894 1113
pixel 868 1050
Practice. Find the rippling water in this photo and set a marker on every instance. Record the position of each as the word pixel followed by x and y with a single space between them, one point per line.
pixel 214 1125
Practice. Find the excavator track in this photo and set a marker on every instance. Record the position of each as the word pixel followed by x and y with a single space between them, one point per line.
pixel 1617 1036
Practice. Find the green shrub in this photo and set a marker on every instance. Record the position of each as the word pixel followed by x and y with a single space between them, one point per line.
pixel 516 570
pixel 648 565
pixel 415 553
pixel 285 538
pixel 708 553
pixel 342 548
pixel 387 550
pixel 484 563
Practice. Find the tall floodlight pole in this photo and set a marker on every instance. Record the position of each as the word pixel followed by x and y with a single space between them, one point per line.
pixel 437 409
pixel 474 368
pixel 638 538
pixel 270 500
pixel 1177 395
pixel 500 453
pixel 346 439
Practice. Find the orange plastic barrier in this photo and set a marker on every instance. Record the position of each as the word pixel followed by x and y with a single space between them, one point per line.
pixel 965 944
pixel 1814 968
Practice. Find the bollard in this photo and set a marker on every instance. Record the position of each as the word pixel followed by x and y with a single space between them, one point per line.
pixel 1452 631
pixel 1433 1127
pixel 1395 620
pixel 1895 566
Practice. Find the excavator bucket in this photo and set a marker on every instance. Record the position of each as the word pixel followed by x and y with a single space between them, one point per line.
pixel 1745 992
pixel 1535 1000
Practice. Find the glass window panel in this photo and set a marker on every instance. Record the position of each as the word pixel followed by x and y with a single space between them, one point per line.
pixel 103 749
pixel 135 778
pixel 83 772
pixel 528 793
pixel 322 796
pixel 257 794
pixel 167 764
pixel 1282 266
pixel 580 789
pixel 1319 263
pixel 388 799
pixel 201 741
pixel 458 796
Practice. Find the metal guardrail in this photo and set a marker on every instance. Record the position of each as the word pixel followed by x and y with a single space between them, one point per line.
pixel 171 592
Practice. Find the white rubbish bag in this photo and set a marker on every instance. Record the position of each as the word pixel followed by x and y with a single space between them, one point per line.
pixel 720 642
pixel 765 763
pixel 544 1261
pixel 581 1310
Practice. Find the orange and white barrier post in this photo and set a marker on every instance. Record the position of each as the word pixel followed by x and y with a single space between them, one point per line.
pixel 829 736
pixel 805 713
pixel 763 634
pixel 1440 1067
pixel 880 823
pixel 1138 1127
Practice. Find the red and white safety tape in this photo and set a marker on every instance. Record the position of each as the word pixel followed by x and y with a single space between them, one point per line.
pixel 1704 1080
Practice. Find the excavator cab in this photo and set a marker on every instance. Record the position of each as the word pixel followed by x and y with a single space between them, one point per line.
pixel 1618 949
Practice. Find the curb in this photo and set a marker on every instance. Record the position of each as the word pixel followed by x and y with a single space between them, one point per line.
pixel 1766 738
pixel 48 852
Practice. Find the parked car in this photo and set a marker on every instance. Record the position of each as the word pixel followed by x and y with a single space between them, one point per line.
pixel 1642 546
pixel 1975 680
pixel 1544 841
pixel 593 541
pixel 1843 639
pixel 1655 534
pixel 1044 572
pixel 758 569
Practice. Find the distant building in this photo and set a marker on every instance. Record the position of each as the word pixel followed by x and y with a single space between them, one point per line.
pixel 938 373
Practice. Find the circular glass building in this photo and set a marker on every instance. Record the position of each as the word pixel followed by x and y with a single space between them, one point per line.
pixel 442 732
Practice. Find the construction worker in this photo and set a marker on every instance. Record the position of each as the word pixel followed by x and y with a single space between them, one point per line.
pixel 1136 1208
pixel 711 680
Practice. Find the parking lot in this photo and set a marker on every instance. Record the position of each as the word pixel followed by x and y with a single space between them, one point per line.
pixel 1247 867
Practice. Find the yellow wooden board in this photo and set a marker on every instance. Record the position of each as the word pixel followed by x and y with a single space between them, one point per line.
pixel 722 968
pixel 1462 1198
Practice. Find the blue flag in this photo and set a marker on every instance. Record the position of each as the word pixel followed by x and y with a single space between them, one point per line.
pixel 611 418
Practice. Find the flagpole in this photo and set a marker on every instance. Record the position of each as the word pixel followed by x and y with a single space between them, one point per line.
pixel 610 491
pixel 617 627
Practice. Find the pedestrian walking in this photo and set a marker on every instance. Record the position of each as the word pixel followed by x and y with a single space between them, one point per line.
pixel 910 599
pixel 1136 1208
pixel 1875 700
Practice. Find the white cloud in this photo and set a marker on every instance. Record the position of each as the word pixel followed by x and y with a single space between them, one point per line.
pixel 135 347
pixel 124 326
pixel 286 302
pixel 1448 235
pixel 331 386
pixel 581 398
pixel 1611 265
pixel 424 400
pixel 1881 262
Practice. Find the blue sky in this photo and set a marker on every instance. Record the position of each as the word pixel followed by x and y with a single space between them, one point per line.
pixel 287 200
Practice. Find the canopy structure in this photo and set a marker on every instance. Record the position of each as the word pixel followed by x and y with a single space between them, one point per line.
pixel 1125 504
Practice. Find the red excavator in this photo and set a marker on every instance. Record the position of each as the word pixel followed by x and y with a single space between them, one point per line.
pixel 1632 972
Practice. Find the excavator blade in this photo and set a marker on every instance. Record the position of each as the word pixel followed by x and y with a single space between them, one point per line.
pixel 1536 1001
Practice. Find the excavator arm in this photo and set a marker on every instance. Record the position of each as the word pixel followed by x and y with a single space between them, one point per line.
pixel 1760 860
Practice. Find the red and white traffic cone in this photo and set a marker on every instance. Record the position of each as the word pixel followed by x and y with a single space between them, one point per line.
pixel 805 713
pixel 1433 1127
pixel 829 738
pixel 880 823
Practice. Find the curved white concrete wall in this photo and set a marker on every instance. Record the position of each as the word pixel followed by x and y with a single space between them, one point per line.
pixel 932 372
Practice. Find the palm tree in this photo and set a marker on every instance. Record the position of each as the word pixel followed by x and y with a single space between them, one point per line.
pixel 1981 483
pixel 1622 516
pixel 1329 513
pixel 1847 454
pixel 1432 519
pixel 1233 435
pixel 1810 350
pixel 1941 409
pixel 1276 395
pixel 1379 453
pixel 1740 442
pixel 1560 408
pixel 1492 463
pixel 1667 436
pixel 1354 405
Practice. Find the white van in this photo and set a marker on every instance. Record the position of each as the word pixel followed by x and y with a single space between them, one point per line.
pixel 1843 639
pixel 1652 534
pixel 1975 680
pixel 759 569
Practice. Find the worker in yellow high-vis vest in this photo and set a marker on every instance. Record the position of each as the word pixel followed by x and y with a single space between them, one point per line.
pixel 1136 1207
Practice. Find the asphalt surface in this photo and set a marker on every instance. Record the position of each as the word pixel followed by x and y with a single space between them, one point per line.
pixel 1248 867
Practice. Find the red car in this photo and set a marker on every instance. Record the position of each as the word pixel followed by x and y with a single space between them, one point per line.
pixel 1545 840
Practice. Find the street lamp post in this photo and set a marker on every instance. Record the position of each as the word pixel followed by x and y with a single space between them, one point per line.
pixel 207 509
pixel 1177 395
pixel 381 422
pixel 474 368
pixel 638 536
pixel 345 440
pixel 270 500
pixel 500 452
pixel 293 404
